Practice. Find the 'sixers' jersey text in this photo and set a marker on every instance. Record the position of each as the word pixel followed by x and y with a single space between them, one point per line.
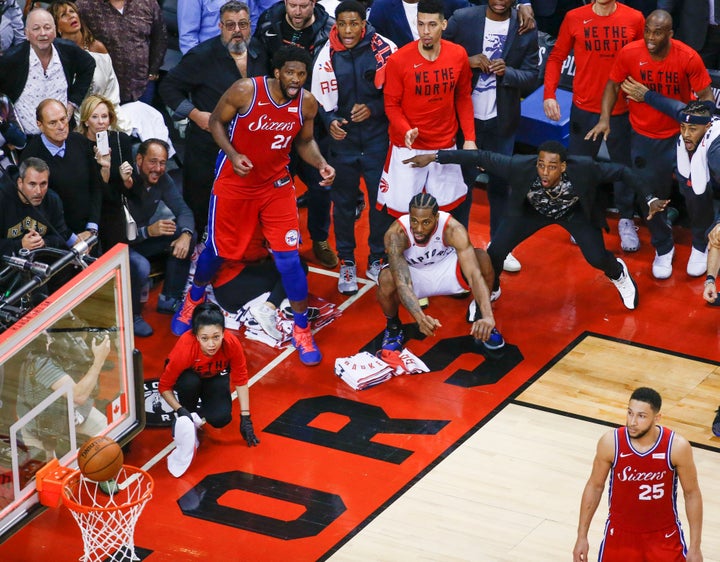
pixel 643 486
pixel 264 133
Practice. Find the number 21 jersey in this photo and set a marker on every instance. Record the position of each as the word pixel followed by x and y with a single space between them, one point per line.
pixel 264 133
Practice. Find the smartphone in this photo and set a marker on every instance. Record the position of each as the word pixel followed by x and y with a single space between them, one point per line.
pixel 103 145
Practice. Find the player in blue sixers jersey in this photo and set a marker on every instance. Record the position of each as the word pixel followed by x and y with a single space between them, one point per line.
pixel 255 124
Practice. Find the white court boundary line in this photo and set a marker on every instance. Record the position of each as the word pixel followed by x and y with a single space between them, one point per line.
pixel 367 285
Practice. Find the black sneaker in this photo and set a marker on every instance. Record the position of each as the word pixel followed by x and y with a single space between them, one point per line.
pixel 716 424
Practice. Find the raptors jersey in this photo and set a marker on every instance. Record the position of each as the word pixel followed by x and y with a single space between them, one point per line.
pixel 643 486
pixel 264 133
pixel 434 250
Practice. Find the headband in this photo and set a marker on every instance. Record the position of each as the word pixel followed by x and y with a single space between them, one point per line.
pixel 695 119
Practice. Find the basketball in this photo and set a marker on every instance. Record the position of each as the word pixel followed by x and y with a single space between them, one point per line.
pixel 100 459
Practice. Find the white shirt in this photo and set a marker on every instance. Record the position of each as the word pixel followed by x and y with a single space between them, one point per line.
pixel 41 84
pixel 484 96
pixel 411 15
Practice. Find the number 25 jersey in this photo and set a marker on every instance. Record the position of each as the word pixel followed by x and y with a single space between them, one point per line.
pixel 643 486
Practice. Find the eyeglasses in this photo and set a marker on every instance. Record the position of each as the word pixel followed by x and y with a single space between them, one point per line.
pixel 233 25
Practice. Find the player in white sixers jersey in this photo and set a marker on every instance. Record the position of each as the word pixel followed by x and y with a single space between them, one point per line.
pixel 429 253
pixel 255 125
pixel 645 461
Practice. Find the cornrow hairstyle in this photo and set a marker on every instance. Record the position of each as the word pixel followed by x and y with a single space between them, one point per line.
pixel 424 201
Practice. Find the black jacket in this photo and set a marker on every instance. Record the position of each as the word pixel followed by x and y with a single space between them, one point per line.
pixel 78 66
pixel 520 53
pixel 202 77
pixel 17 217
pixel 269 31
pixel 355 73
pixel 520 172
pixel 143 203
pixel 74 177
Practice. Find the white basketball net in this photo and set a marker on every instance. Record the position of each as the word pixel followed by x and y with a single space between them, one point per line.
pixel 107 521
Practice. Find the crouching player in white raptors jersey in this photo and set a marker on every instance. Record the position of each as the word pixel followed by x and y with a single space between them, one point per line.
pixel 645 461
pixel 429 253
pixel 255 124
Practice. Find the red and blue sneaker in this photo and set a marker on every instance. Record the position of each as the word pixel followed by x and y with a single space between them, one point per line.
pixel 307 349
pixel 182 320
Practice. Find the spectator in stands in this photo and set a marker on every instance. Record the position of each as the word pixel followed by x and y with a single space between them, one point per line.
pixel 698 163
pixel 348 81
pixel 12 138
pixel 44 67
pixel 675 70
pixel 165 227
pixel 197 21
pixel 11 25
pixel 698 26
pixel 424 108
pixel 31 215
pixel 134 118
pixel 98 114
pixel 304 24
pixel 504 67
pixel 193 88
pixel 612 25
pixel 134 34
pixel 74 171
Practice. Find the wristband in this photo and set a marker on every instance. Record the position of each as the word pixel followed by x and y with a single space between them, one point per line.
pixel 710 279
pixel 650 199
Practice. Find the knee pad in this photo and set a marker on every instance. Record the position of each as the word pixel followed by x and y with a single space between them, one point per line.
pixel 293 276
pixel 207 266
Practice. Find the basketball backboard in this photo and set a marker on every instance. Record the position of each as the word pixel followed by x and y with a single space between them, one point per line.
pixel 59 385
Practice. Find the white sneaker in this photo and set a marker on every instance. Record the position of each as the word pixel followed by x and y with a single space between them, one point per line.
pixel 697 264
pixel 511 264
pixel 495 295
pixel 373 270
pixel 626 287
pixel 347 280
pixel 266 317
pixel 629 240
pixel 662 265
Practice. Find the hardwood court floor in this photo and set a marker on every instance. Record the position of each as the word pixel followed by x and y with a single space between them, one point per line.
pixel 479 460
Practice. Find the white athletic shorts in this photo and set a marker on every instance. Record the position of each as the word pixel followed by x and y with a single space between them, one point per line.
pixel 401 182
pixel 442 278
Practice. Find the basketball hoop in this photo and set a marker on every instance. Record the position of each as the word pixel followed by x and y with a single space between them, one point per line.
pixel 107 521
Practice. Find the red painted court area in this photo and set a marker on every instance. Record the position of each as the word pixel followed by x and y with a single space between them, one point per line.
pixel 331 458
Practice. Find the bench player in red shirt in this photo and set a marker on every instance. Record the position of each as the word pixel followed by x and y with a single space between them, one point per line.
pixel 255 125
pixel 645 461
